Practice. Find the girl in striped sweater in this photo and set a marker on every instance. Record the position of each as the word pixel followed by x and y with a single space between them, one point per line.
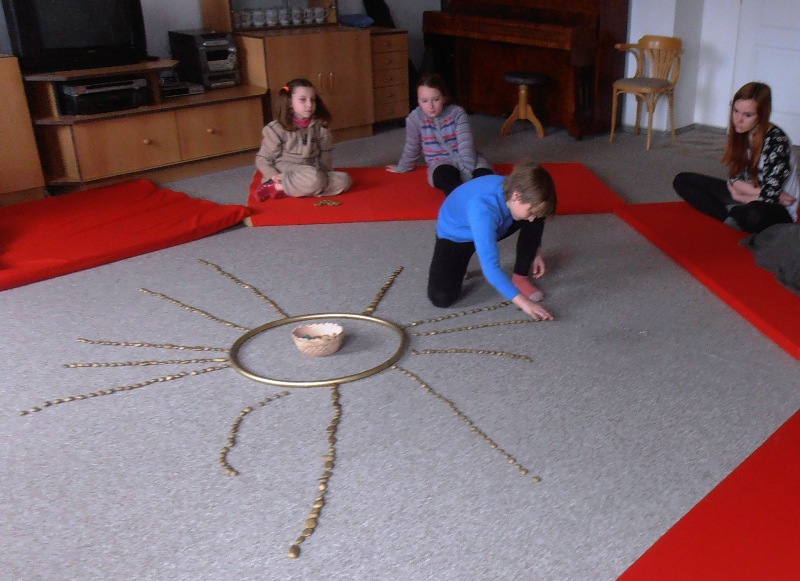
pixel 439 131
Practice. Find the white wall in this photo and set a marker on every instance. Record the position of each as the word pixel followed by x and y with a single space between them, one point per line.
pixel 709 29
pixel 160 17
pixel 688 22
pixel 716 58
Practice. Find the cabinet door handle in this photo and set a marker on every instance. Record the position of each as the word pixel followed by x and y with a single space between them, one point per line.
pixel 211 131
pixel 331 83
pixel 147 141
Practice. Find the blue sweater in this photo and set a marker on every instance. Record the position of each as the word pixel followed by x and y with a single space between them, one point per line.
pixel 476 211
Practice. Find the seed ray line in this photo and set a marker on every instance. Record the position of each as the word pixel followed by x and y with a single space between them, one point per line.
pixel 192 309
pixel 153 345
pixel 473 352
pixel 145 363
pixel 234 432
pixel 120 388
pixel 245 285
pixel 464 418
pixel 384 289
pixel 458 314
pixel 473 327
pixel 328 463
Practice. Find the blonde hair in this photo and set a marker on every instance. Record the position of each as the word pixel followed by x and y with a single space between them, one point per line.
pixel 535 186
pixel 283 101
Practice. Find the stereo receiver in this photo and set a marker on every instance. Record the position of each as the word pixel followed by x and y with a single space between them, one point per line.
pixel 206 58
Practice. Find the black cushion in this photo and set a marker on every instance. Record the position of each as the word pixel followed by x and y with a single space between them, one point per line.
pixel 524 78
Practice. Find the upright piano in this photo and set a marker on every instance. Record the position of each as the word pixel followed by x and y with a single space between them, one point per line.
pixel 472 43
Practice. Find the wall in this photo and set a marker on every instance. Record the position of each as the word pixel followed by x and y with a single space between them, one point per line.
pixel 709 29
pixel 407 14
pixel 716 56
pixel 160 17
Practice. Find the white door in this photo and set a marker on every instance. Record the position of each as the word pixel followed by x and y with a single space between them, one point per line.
pixel 768 50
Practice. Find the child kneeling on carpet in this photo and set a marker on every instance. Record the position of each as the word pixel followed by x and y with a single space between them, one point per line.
pixel 295 158
pixel 475 217
pixel 439 130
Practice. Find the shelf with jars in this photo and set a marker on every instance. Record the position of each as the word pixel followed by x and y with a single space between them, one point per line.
pixel 257 15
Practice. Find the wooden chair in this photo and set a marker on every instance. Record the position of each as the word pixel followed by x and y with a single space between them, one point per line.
pixel 658 66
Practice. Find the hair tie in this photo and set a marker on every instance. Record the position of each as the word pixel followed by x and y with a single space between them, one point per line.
pixel 286 88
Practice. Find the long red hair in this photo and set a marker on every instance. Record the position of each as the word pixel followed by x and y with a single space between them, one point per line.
pixel 736 152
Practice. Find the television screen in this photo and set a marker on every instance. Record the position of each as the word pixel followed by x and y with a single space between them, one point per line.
pixel 53 35
pixel 82 23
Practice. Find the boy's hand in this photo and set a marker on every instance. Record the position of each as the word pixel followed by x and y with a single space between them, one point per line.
pixel 391 168
pixel 538 268
pixel 533 310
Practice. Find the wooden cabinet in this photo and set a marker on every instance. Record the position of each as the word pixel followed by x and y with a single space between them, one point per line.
pixel 336 59
pixel 112 147
pixel 219 128
pixel 390 73
pixel 21 175
pixel 82 148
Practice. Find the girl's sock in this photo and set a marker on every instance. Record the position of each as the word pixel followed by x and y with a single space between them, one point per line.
pixel 527 288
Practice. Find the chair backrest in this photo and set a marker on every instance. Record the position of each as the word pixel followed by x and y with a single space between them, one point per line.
pixel 659 57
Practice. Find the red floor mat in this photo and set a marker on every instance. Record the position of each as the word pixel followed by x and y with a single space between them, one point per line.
pixel 710 251
pixel 378 195
pixel 72 232
pixel 748 527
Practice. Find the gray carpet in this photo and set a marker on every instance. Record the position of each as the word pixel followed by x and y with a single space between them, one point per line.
pixel 637 400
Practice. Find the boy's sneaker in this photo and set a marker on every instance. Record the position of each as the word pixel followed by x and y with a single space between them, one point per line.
pixel 527 288
pixel 537 296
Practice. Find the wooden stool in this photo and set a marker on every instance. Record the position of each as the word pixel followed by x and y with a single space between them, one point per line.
pixel 523 109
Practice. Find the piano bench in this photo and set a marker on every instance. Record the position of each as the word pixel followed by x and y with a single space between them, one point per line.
pixel 523 110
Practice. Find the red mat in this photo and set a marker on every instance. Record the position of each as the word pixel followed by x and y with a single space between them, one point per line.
pixel 378 195
pixel 72 232
pixel 710 251
pixel 748 527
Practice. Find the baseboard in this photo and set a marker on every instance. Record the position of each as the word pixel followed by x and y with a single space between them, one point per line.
pixel 169 173
pixel 678 130
pixel 9 198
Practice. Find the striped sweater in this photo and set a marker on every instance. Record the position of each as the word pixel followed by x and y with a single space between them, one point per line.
pixel 446 138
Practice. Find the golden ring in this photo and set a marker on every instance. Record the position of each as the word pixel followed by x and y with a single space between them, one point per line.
pixel 234 351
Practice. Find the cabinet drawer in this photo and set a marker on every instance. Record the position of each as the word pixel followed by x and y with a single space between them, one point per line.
pixel 392 94
pixel 389 60
pixel 127 144
pixel 390 77
pixel 389 42
pixel 221 128
pixel 387 111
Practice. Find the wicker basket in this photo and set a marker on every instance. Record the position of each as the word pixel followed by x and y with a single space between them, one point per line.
pixel 319 339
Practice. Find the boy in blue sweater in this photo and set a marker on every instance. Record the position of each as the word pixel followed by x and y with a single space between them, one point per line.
pixel 479 213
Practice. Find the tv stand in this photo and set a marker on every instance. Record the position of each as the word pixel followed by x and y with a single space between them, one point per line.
pixel 76 149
